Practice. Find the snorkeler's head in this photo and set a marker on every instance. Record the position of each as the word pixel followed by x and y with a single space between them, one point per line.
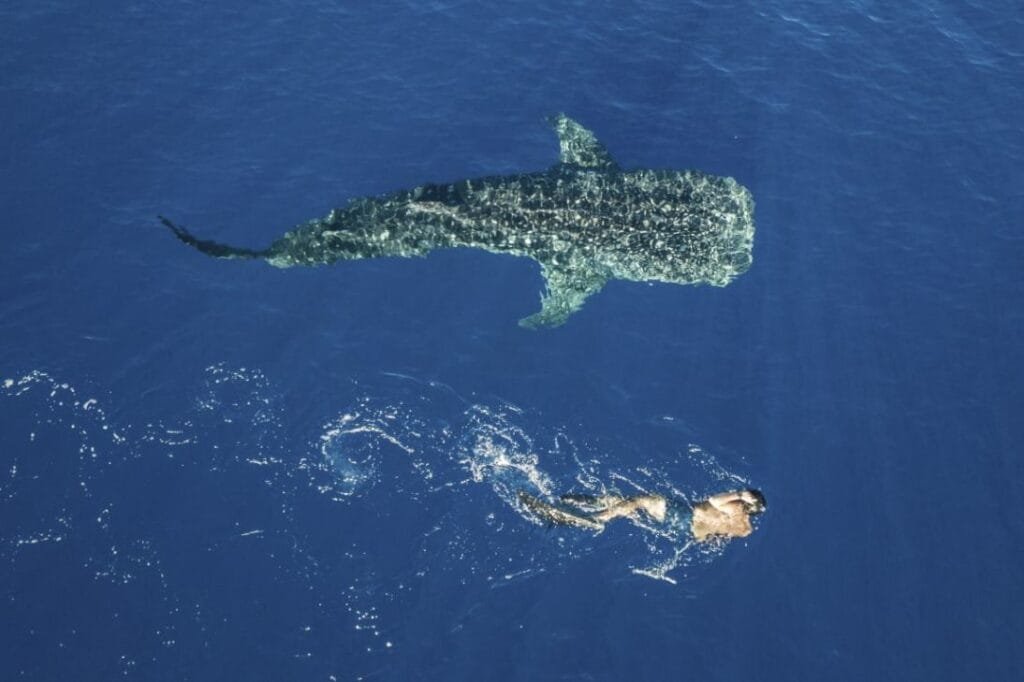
pixel 754 499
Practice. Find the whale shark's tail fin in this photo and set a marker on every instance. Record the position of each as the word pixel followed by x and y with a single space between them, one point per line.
pixel 212 248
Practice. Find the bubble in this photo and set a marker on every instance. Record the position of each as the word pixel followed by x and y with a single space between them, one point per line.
pixel 353 468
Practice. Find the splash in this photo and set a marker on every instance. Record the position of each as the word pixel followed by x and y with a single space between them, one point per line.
pixel 504 449
pixel 502 455
pixel 399 455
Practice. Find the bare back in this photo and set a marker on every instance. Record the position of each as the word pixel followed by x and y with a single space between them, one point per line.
pixel 726 519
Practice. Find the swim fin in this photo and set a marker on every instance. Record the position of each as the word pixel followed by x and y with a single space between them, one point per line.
pixel 549 513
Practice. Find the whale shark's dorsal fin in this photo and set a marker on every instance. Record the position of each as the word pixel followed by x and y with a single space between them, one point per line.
pixel 566 289
pixel 579 147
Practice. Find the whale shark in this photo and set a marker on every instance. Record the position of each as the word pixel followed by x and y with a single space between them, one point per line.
pixel 585 220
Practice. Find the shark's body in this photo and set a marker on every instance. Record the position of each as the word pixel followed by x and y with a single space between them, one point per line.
pixel 584 220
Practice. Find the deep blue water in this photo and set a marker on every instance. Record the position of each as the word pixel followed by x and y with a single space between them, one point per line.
pixel 220 470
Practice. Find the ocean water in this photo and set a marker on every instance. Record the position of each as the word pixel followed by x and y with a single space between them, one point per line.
pixel 220 470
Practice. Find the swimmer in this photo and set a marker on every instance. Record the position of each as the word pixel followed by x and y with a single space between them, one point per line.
pixel 725 515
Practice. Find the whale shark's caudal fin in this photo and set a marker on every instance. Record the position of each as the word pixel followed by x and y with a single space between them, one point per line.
pixel 211 248
pixel 579 147
pixel 566 289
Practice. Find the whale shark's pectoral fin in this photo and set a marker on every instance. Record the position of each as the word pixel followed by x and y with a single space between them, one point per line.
pixel 566 289
pixel 550 514
pixel 579 147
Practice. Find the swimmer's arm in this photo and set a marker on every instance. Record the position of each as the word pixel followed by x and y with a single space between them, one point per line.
pixel 722 500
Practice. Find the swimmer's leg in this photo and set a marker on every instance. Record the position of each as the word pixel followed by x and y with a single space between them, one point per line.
pixel 593 504
pixel 549 513
pixel 588 503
